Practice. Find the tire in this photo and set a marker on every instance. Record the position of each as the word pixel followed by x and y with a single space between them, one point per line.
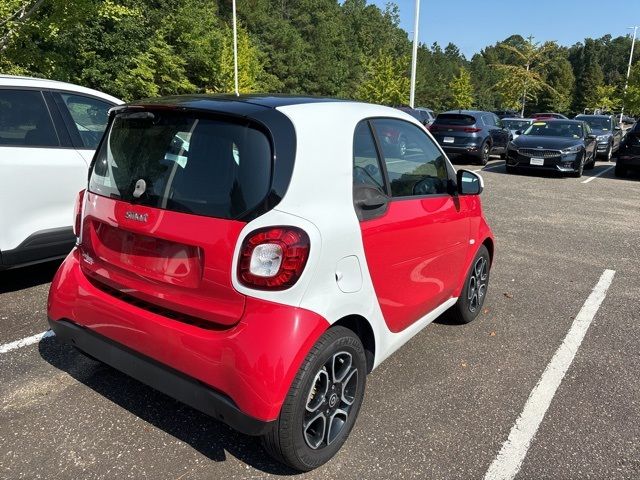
pixel 580 171
pixel 485 153
pixel 305 449
pixel 591 165
pixel 466 309
pixel 620 171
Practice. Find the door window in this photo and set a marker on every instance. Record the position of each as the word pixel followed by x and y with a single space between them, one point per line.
pixel 25 120
pixel 90 117
pixel 366 166
pixel 415 164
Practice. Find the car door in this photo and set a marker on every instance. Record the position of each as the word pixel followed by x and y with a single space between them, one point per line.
pixel 40 175
pixel 499 134
pixel 416 234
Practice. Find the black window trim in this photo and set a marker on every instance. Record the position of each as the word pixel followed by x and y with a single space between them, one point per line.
pixel 451 174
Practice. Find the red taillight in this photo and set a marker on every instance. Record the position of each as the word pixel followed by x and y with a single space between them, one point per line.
pixel 273 258
pixel 77 213
pixel 472 129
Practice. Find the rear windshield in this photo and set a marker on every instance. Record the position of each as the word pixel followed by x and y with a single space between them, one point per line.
pixel 516 124
pixel 455 119
pixel 185 163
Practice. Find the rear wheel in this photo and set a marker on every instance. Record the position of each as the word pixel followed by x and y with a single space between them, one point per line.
pixel 323 402
pixel 620 170
pixel 474 292
pixel 485 153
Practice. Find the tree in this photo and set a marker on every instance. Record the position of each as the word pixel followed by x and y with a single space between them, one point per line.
pixel 462 90
pixel 523 78
pixel 249 67
pixel 606 98
pixel 385 81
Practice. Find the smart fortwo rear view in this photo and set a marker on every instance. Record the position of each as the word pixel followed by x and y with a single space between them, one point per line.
pixel 257 257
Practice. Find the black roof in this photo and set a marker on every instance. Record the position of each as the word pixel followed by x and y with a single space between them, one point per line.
pixel 467 112
pixel 240 105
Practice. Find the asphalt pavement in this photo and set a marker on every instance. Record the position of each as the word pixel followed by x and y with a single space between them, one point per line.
pixel 440 408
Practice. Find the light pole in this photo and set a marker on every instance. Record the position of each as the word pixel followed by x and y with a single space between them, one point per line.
pixel 235 49
pixel 414 56
pixel 626 83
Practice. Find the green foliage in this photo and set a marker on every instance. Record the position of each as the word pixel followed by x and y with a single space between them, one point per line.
pixel 606 98
pixel 350 48
pixel 385 81
pixel 462 90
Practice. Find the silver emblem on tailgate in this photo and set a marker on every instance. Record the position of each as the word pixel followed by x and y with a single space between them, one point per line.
pixel 138 217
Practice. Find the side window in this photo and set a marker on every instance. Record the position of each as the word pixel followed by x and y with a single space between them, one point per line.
pixel 497 121
pixel 366 166
pixel 90 117
pixel 415 164
pixel 25 120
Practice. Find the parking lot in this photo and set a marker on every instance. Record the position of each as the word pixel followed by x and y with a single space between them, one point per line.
pixel 442 407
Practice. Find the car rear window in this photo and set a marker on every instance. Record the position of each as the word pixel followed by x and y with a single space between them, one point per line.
pixel 184 162
pixel 455 119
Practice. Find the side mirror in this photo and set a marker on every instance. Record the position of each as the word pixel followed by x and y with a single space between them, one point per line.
pixel 518 132
pixel 469 183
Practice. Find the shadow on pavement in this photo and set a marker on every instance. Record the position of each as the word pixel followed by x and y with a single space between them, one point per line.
pixel 27 277
pixel 206 435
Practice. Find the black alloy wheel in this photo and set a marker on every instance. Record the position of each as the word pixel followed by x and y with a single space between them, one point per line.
pixel 474 292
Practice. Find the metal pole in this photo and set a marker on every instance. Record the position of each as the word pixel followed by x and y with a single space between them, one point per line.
pixel 235 49
pixel 626 83
pixel 524 92
pixel 414 57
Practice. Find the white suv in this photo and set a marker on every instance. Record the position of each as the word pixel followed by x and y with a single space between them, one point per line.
pixel 48 133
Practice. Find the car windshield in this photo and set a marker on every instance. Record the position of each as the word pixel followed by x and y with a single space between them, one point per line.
pixel 516 124
pixel 555 129
pixel 598 123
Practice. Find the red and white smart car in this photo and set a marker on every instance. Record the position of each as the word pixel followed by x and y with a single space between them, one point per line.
pixel 257 257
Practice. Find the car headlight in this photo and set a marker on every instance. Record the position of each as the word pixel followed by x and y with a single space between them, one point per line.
pixel 568 150
pixel 603 138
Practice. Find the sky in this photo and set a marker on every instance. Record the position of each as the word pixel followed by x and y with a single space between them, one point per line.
pixel 475 24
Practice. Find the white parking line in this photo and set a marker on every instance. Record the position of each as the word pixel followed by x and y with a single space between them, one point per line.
pixel 7 347
pixel 598 174
pixel 509 460
pixel 490 167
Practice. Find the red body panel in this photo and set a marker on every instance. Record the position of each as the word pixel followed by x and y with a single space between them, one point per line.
pixel 253 362
pixel 174 260
pixel 416 253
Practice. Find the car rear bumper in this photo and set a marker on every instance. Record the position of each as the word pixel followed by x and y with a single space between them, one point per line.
pixel 158 376
pixel 240 374
pixel 460 150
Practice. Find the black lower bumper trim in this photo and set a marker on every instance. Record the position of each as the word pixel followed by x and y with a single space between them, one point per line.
pixel 159 376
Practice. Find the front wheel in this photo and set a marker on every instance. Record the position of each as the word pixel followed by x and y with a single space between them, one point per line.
pixel 474 292
pixel 578 173
pixel 323 402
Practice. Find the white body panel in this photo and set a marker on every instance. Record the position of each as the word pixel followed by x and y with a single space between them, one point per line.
pixel 38 185
pixel 320 192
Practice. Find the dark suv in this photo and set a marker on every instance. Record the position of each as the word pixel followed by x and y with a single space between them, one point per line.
pixel 471 132
pixel 608 132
